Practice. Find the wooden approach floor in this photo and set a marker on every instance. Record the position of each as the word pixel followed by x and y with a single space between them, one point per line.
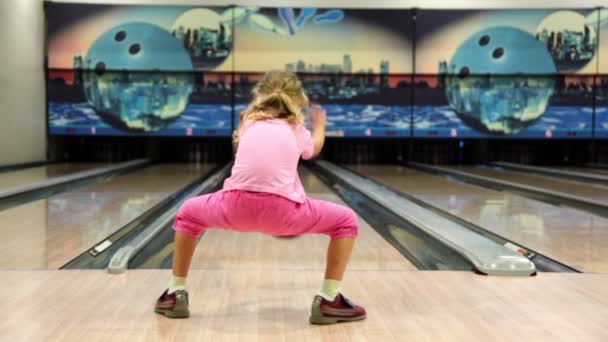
pixel 248 287
pixel 272 305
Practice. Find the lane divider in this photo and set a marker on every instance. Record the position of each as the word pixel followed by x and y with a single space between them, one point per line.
pixel 120 260
pixel 487 256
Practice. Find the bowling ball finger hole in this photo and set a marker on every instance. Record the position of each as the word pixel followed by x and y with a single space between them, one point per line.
pixel 134 49
pixel 464 72
pixel 498 52
pixel 120 36
pixel 100 68
pixel 485 40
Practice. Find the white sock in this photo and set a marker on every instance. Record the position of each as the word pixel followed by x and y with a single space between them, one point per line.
pixel 177 283
pixel 331 288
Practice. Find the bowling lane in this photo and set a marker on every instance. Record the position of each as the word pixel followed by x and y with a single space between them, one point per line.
pixel 31 175
pixel 48 233
pixel 596 192
pixel 589 170
pixel 574 237
pixel 222 249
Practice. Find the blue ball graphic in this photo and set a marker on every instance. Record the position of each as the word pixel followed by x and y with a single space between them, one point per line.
pixel 500 80
pixel 138 78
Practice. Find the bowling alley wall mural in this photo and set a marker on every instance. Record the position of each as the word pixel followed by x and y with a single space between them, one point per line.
pixel 139 70
pixel 507 73
pixel 601 110
pixel 356 63
pixel 188 70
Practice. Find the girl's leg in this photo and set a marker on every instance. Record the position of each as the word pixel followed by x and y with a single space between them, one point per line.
pixel 184 246
pixel 189 224
pixel 195 216
pixel 340 223
pixel 173 302
pixel 338 256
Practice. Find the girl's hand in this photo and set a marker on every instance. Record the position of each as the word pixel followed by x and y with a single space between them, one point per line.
pixel 319 117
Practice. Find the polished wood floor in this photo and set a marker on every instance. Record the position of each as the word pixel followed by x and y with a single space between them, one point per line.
pixel 273 305
pixel 48 233
pixel 574 237
pixel 250 287
pixel 597 192
pixel 13 179
pixel 589 170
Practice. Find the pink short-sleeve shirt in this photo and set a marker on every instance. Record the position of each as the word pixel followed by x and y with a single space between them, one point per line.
pixel 267 158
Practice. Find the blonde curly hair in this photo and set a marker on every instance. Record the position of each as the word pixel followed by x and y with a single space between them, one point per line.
pixel 278 95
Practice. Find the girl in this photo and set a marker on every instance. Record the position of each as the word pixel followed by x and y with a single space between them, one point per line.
pixel 264 194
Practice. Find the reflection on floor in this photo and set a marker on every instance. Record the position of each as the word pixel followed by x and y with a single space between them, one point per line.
pixel 576 238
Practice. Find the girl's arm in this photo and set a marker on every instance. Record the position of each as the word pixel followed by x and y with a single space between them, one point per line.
pixel 319 122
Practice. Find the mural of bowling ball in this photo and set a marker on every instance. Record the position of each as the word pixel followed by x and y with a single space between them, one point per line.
pixel 570 38
pixel 499 80
pixel 122 82
pixel 205 36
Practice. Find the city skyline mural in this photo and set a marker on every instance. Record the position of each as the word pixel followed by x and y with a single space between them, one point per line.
pixel 311 40
pixel 602 15
pixel 139 69
pixel 569 38
pixel 357 71
pixel 506 73
pixel 189 70
pixel 601 109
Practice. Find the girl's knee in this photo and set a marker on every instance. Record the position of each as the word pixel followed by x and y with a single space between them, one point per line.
pixel 349 228
pixel 186 221
pixel 190 230
pixel 189 207
pixel 352 218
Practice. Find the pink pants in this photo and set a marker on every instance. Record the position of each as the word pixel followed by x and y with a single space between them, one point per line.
pixel 267 213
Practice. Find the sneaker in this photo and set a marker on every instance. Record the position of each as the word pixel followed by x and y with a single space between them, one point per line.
pixel 340 310
pixel 173 305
